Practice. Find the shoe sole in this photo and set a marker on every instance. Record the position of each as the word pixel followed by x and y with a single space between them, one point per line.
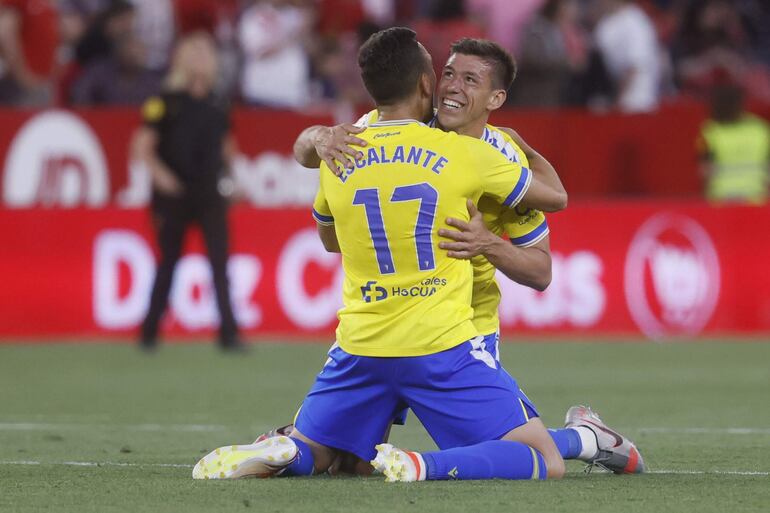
pixel 261 459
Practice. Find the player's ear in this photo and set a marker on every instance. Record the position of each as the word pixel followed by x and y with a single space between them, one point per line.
pixel 497 99
pixel 426 85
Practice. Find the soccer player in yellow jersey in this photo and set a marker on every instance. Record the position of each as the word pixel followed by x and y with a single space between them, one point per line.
pixel 473 84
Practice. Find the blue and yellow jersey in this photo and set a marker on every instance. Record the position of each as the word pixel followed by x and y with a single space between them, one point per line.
pixel 402 295
pixel 524 227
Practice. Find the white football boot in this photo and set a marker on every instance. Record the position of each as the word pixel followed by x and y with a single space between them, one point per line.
pixel 398 465
pixel 615 452
pixel 261 459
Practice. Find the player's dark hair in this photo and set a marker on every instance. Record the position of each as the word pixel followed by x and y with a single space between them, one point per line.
pixel 502 62
pixel 391 63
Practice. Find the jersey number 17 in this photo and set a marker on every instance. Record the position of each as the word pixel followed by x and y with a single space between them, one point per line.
pixel 423 228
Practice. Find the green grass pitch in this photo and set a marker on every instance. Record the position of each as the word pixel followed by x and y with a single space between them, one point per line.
pixel 102 428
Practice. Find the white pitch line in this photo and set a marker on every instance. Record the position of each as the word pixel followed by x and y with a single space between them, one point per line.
pixel 46 426
pixel 95 464
pixel 179 465
pixel 707 472
pixel 704 430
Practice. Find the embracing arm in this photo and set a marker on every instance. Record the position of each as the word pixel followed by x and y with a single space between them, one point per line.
pixel 328 144
pixel 529 266
pixel 550 192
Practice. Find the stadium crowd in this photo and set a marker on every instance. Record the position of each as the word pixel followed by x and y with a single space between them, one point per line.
pixel 604 54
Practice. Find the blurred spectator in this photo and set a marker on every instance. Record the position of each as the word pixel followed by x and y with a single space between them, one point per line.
pixel 120 79
pixel 380 12
pixel 504 20
pixel 276 68
pixel 713 47
pixel 446 23
pixel 756 14
pixel 75 16
pixel 734 148
pixel 29 37
pixel 187 146
pixel 115 23
pixel 553 50
pixel 628 45
pixel 154 25
pixel 218 18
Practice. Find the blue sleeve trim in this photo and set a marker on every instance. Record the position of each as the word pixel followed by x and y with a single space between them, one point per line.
pixel 520 189
pixel 532 237
pixel 322 219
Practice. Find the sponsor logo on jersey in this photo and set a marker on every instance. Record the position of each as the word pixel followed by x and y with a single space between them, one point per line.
pixel 371 292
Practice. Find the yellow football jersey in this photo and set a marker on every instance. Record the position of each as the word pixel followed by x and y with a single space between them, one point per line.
pixel 524 227
pixel 402 295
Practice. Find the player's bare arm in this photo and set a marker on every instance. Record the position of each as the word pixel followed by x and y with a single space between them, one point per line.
pixel 328 235
pixel 542 170
pixel 334 145
pixel 144 149
pixel 530 266
pixel 544 198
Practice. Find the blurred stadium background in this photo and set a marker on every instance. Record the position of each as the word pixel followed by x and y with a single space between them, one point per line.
pixel 642 253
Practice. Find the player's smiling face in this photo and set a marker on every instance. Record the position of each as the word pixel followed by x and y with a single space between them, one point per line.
pixel 465 92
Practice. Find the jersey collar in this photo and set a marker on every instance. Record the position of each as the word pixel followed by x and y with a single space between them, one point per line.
pixel 396 122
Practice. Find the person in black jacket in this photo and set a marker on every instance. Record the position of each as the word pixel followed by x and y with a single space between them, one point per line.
pixel 186 143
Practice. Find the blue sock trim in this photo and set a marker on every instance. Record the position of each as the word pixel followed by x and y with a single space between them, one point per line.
pixel 568 442
pixel 304 464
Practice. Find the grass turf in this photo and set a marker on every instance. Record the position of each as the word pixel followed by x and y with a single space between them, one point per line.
pixel 106 428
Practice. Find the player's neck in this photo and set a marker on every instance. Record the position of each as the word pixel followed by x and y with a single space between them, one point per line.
pixel 472 129
pixel 398 111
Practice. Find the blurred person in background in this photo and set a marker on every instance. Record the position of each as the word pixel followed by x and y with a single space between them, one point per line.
pixel 504 20
pixel 734 148
pixel 714 45
pixel 186 144
pixel 119 79
pixel 102 32
pixel 553 51
pixel 218 18
pixel 155 27
pixel 105 29
pixel 628 44
pixel 276 69
pixel 756 14
pixel 447 22
pixel 334 61
pixel 29 37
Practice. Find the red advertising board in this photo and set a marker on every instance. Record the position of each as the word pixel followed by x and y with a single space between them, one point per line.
pixel 632 268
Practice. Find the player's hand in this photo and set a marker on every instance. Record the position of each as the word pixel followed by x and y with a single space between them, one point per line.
pixel 335 146
pixel 470 239
pixel 168 184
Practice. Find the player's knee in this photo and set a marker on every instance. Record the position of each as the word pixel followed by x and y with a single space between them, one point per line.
pixel 555 466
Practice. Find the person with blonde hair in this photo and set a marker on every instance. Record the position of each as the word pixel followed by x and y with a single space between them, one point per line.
pixel 187 145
